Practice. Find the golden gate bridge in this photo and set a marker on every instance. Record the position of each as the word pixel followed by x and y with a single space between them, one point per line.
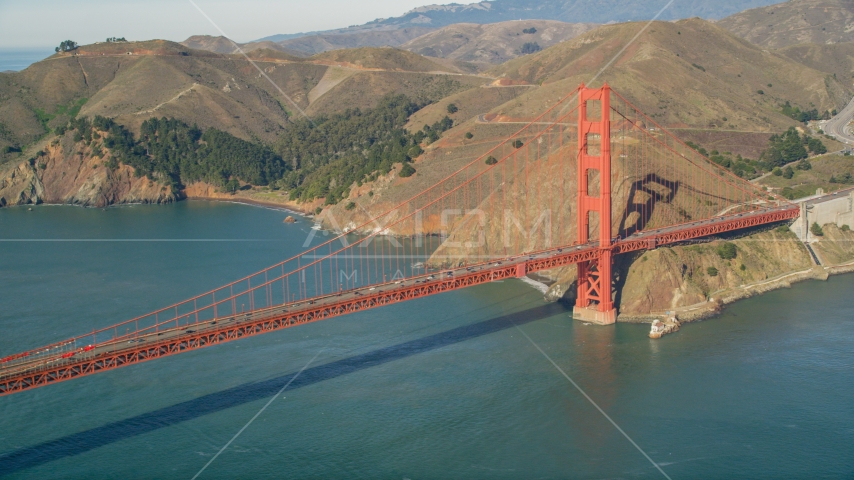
pixel 624 183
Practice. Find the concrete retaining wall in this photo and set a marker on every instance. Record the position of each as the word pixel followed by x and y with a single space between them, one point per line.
pixel 839 211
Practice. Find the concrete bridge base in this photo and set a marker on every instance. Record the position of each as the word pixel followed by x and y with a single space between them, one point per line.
pixel 591 315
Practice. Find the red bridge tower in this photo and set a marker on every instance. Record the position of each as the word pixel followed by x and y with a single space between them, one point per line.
pixel 594 303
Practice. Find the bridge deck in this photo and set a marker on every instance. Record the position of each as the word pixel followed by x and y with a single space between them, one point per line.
pixel 30 372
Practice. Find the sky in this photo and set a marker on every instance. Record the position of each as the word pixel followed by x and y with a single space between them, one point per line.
pixel 45 23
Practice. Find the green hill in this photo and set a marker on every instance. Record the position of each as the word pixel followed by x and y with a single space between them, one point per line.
pixel 133 81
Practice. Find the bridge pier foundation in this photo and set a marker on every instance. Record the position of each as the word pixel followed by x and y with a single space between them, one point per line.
pixel 593 315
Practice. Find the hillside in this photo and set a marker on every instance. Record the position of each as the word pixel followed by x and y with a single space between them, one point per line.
pixel 210 43
pixel 828 172
pixel 795 22
pixel 222 44
pixel 493 43
pixel 131 82
pixel 390 59
pixel 311 44
pixel 713 80
pixel 837 58
pixel 318 43
pixel 710 90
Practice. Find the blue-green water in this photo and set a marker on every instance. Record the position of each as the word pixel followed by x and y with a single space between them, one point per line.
pixel 443 387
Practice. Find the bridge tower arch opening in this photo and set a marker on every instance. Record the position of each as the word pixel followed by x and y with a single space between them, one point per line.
pixel 595 301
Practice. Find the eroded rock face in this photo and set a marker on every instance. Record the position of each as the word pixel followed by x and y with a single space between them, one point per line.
pixel 66 172
pixel 20 186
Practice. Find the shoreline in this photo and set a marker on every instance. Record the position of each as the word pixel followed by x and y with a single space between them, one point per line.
pixel 254 203
pixel 238 200
pixel 714 307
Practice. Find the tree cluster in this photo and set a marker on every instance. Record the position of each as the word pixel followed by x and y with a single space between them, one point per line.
pixel 727 251
pixel 743 167
pixel 116 39
pixel 804 116
pixel 319 158
pixel 783 149
pixel 330 153
pixel 790 147
pixel 171 151
pixel 842 178
pixel 66 46
pixel 530 47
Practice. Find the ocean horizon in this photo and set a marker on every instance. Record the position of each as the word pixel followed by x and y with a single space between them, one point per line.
pixel 17 59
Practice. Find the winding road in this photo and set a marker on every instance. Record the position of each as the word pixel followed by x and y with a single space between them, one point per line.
pixel 838 128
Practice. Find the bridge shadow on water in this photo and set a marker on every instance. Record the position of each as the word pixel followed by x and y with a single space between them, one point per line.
pixel 91 439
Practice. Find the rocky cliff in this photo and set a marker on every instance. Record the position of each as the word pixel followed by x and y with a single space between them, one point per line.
pixel 69 172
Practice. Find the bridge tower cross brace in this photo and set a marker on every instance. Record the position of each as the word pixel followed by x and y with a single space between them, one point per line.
pixel 594 302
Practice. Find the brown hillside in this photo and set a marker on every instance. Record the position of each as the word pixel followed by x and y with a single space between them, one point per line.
pixel 794 22
pixel 690 73
pixel 837 58
pixel 492 43
pixel 210 43
pixel 267 45
pixel 222 44
pixel 382 59
pixel 362 89
pixel 313 44
pixel 470 104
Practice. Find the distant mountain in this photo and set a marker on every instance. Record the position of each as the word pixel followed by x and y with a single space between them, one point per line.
pixel 312 44
pixel 587 11
pixel 795 22
pixel 395 31
pixel 572 11
pixel 494 43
